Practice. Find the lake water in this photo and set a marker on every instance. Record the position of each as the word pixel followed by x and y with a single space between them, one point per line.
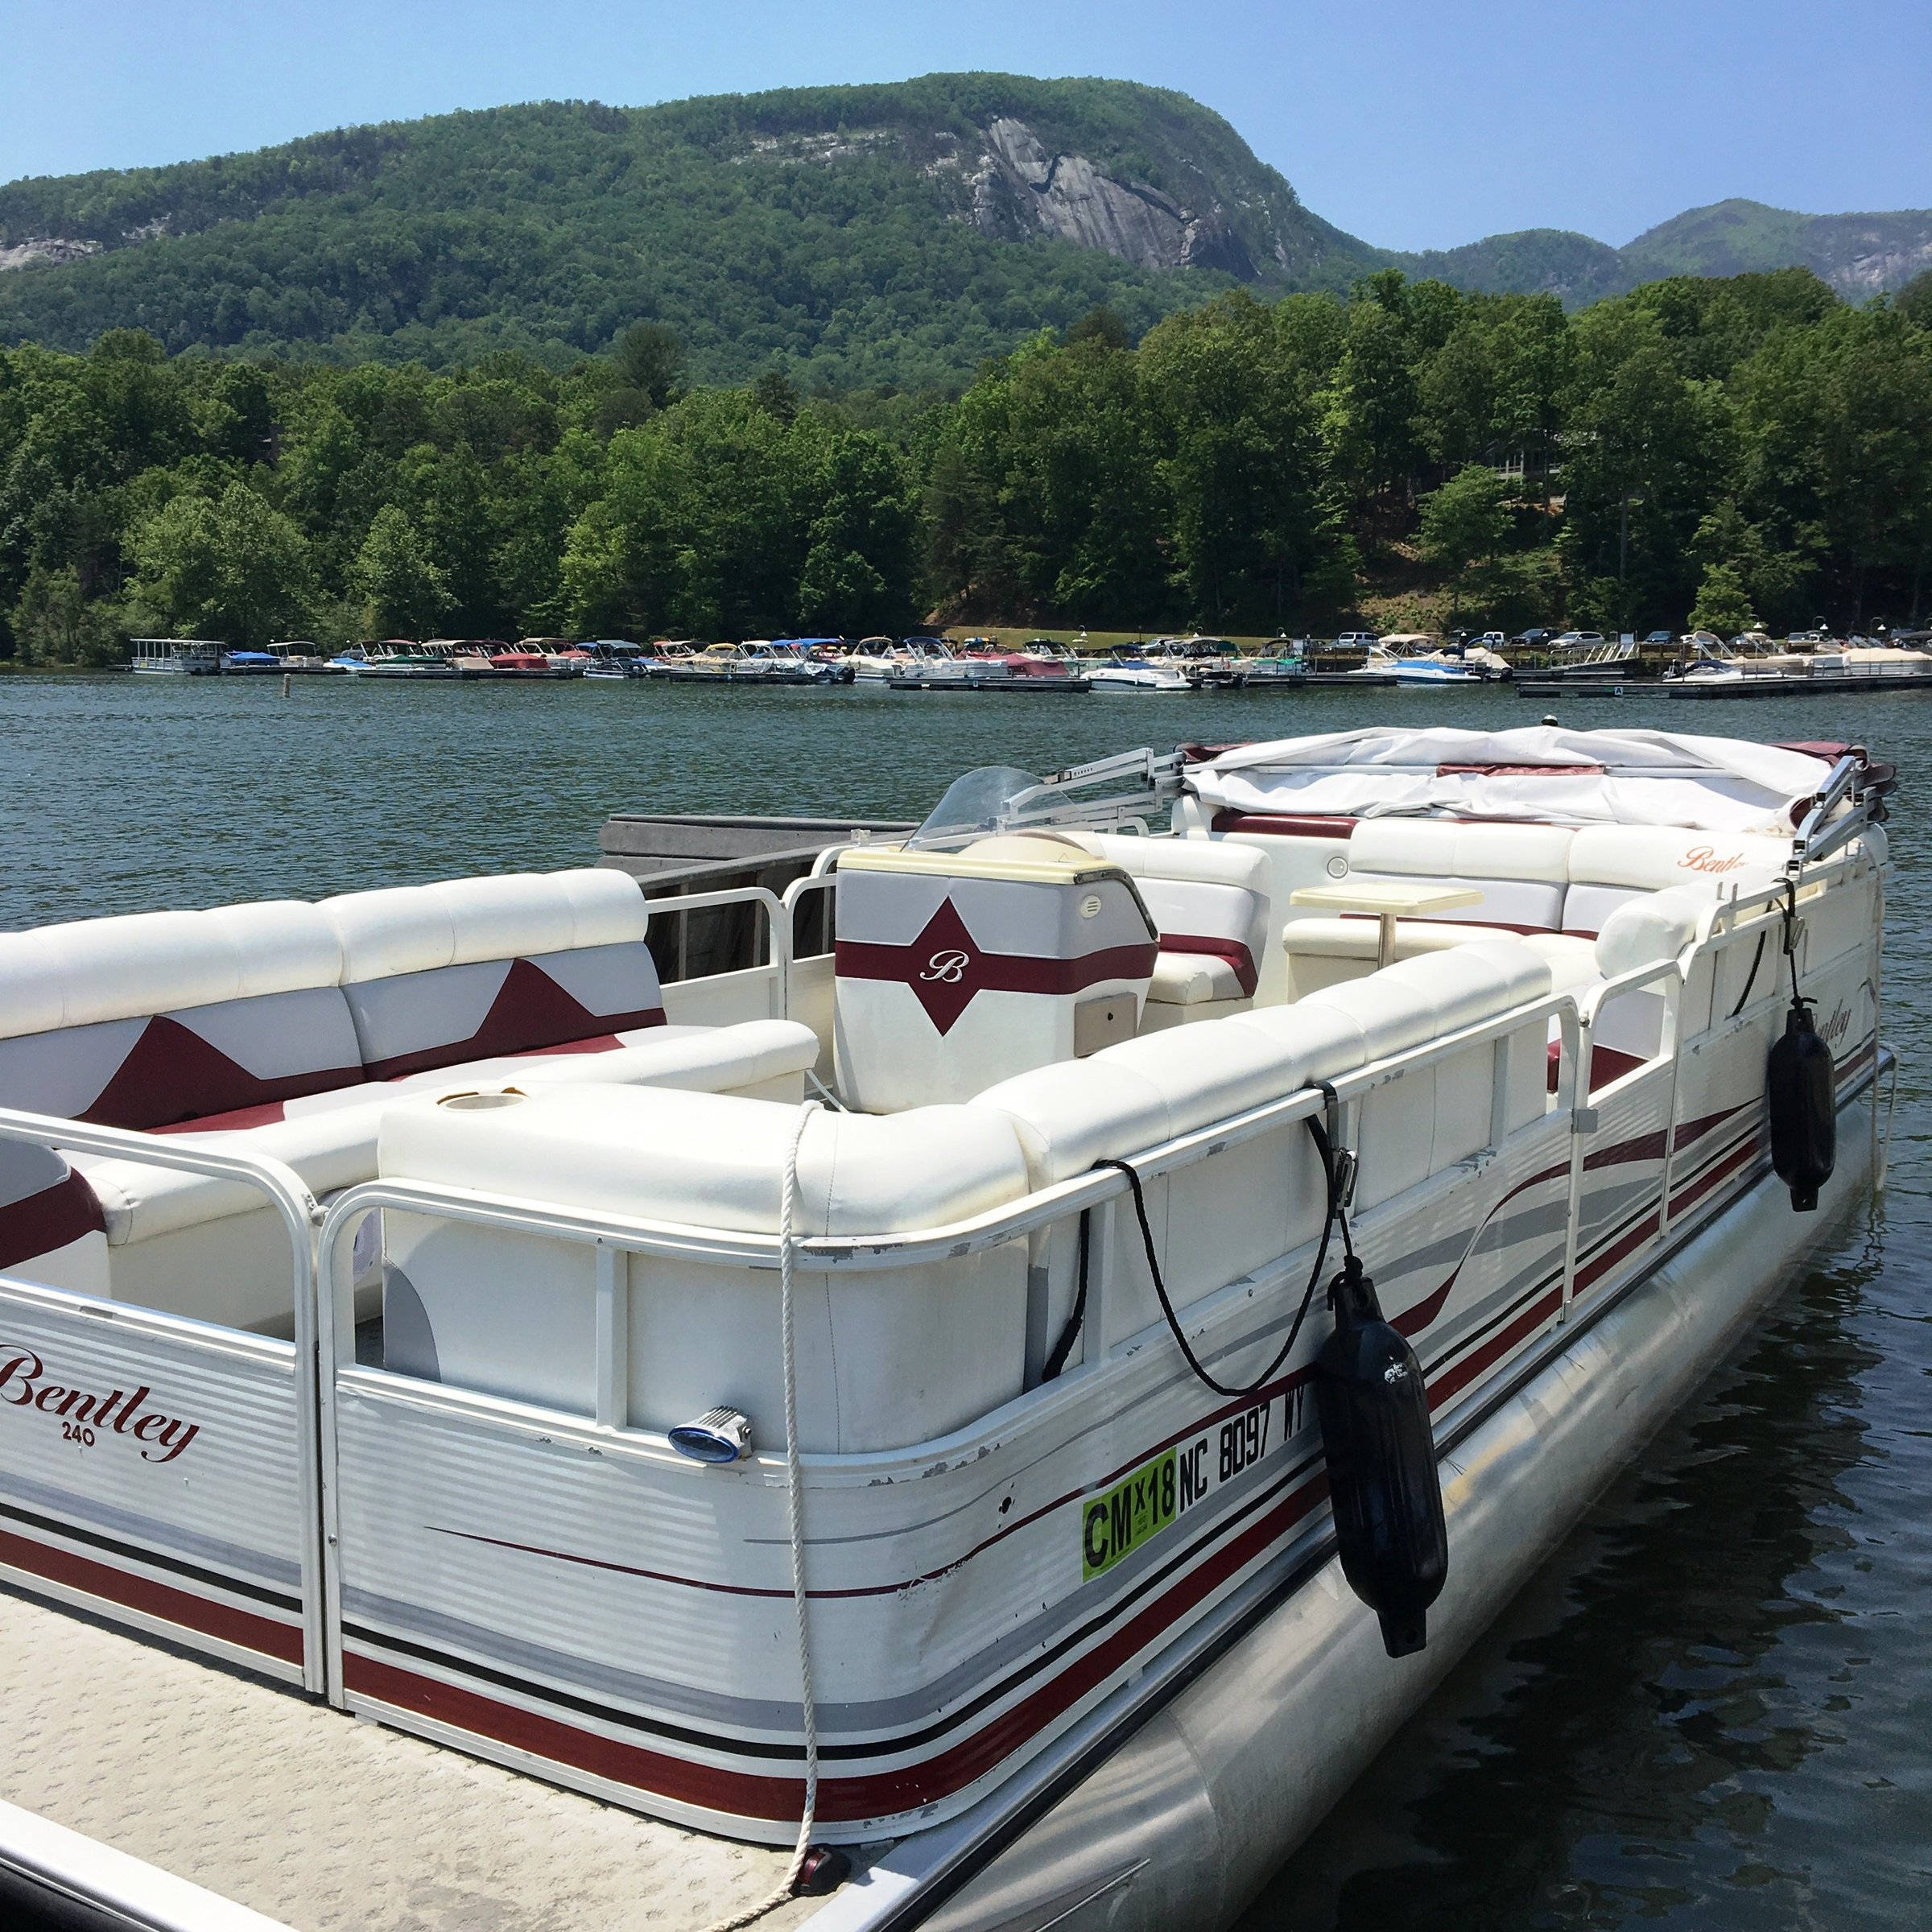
pixel 1713 1708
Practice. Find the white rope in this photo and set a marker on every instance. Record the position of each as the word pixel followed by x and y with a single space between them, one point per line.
pixel 795 1503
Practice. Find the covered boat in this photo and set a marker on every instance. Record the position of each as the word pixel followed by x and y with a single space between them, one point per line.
pixel 943 1471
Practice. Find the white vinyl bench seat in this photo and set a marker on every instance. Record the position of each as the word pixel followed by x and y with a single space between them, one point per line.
pixel 284 1029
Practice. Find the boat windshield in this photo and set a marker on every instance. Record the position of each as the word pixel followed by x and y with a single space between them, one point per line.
pixel 973 803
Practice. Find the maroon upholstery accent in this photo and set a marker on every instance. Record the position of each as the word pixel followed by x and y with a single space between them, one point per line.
pixel 266 1115
pixel 530 1013
pixel 1280 825
pixel 173 1075
pixel 1520 771
pixel 1481 925
pixel 946 967
pixel 48 1220
pixel 1233 951
pixel 601 1042
pixel 1607 1063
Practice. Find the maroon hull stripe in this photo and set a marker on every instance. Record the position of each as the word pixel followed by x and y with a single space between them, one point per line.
pixel 878 1794
pixel 882 1794
pixel 241 1627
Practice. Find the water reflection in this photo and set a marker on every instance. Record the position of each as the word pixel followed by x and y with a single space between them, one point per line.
pixel 1712 1709
pixel 1685 1717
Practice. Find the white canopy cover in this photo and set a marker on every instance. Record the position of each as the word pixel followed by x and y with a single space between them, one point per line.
pixel 1541 772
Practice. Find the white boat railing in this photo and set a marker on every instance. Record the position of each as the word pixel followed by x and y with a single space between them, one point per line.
pixel 321 1274
pixel 301 1215
pixel 777 963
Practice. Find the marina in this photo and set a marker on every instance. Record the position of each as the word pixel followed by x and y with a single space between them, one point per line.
pixel 1699 666
pixel 800 713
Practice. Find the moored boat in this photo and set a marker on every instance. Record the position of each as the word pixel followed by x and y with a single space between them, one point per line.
pixel 1135 670
pixel 1284 663
pixel 571 1380
pixel 175 657
pixel 300 657
pixel 1422 661
pixel 401 659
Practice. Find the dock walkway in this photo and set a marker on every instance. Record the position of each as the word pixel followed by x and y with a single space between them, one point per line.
pixel 323 1821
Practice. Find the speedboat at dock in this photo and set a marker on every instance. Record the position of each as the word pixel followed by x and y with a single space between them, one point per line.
pixel 1013 1405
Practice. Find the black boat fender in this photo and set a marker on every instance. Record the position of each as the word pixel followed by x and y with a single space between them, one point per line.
pixel 1800 1094
pixel 1383 1480
pixel 1371 1401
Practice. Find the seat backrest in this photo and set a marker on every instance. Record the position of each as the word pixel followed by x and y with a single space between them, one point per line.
pixel 1202 898
pixel 1610 865
pixel 151 1019
pixel 471 969
pixel 954 969
pixel 1211 1222
pixel 886 1358
pixel 1434 1115
pixel 1520 870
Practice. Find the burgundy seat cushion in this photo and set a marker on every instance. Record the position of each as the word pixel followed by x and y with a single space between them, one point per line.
pixel 412 1022
pixel 166 1068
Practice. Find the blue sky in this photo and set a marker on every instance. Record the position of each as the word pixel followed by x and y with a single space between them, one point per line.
pixel 1413 123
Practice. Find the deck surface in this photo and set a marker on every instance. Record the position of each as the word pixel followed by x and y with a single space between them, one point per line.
pixel 322 1821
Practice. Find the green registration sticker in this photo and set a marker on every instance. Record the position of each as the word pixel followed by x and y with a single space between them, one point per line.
pixel 1116 1524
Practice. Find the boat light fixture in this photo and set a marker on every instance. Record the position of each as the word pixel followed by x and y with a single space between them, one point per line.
pixel 719 1435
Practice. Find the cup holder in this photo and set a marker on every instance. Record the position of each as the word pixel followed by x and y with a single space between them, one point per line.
pixel 477 1103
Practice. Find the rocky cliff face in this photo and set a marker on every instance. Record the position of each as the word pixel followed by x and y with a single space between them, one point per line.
pixel 1016 188
pixel 44 248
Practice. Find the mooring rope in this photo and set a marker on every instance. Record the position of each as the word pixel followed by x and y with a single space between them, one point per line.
pixel 795 1503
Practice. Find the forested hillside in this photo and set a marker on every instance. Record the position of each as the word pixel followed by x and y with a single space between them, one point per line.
pixel 889 236
pixel 1720 451
pixel 858 238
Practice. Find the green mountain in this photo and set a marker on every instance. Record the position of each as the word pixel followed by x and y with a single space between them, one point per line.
pixel 887 236
pixel 1535 261
pixel 1858 255
pixel 864 235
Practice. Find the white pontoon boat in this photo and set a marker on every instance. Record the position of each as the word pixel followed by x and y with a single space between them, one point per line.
pixel 175 656
pixel 410 1299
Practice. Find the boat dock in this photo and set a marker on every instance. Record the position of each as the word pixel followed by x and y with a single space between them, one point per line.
pixel 1782 684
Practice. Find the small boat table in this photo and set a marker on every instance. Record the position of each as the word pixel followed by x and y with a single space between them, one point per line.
pixel 1386 901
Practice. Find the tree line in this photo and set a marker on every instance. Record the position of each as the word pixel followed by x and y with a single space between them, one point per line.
pixel 1718 452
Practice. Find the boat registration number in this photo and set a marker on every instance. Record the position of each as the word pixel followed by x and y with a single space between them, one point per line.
pixel 1117 1522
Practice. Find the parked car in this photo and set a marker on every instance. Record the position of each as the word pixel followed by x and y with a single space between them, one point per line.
pixel 1358 640
pixel 1662 637
pixel 1577 640
pixel 1535 640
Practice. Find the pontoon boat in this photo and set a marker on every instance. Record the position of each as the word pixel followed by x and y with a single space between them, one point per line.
pixel 411 1299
